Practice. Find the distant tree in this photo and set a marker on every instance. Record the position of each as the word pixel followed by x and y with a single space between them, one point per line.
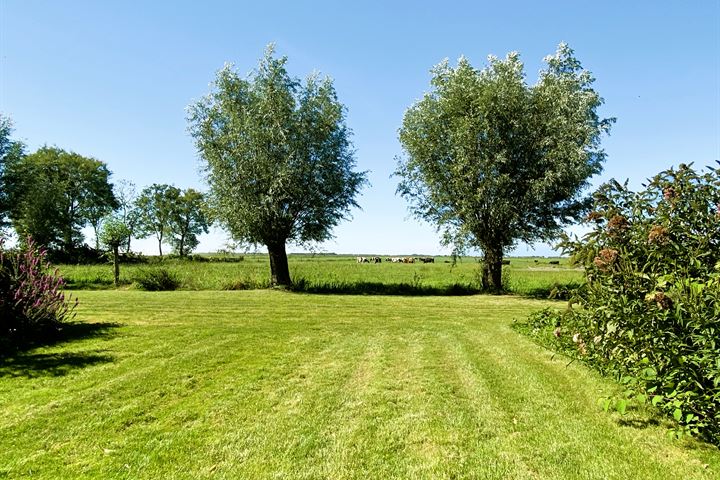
pixel 114 233
pixel 10 151
pixel 188 220
pixel 278 158
pixel 53 194
pixel 493 161
pixel 126 194
pixel 97 212
pixel 155 207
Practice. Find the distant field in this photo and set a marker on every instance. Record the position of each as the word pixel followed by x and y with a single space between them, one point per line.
pixel 268 384
pixel 533 276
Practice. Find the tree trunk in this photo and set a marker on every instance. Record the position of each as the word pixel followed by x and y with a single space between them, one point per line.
pixel 96 227
pixel 67 239
pixel 279 270
pixel 116 264
pixel 160 245
pixel 492 269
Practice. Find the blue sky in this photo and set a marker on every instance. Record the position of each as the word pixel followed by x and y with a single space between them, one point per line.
pixel 112 79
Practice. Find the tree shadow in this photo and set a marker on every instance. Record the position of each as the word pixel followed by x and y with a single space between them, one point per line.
pixel 556 291
pixel 380 288
pixel 16 358
pixel 638 423
pixel 33 365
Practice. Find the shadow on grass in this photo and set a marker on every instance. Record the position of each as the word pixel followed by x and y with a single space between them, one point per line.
pixel 638 423
pixel 17 360
pixel 556 291
pixel 49 364
pixel 379 288
pixel 92 284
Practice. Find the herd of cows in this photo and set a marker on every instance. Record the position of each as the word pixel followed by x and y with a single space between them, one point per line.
pixel 396 259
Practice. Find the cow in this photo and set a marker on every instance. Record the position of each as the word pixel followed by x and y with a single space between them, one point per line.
pixel 362 260
pixel 408 260
pixel 376 259
pixel 426 259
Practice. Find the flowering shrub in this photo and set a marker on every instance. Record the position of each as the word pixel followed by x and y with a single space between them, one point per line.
pixel 32 302
pixel 650 309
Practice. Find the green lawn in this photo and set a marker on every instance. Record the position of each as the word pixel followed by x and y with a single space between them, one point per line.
pixel 267 384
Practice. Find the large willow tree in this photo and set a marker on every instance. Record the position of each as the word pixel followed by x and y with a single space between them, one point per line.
pixel 278 158
pixel 491 160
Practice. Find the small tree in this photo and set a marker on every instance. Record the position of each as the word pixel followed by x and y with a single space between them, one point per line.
pixel 155 207
pixel 127 209
pixel 188 220
pixel 278 158
pixel 492 161
pixel 96 213
pixel 114 233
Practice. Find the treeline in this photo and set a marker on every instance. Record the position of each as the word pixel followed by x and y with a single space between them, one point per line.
pixel 51 195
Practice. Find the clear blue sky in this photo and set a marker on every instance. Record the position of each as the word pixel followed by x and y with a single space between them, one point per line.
pixel 112 79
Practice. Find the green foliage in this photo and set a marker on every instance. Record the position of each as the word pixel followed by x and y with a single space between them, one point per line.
pixel 650 310
pixel 10 151
pixel 156 205
pixel 493 161
pixel 166 211
pixel 128 211
pixel 187 221
pixel 114 232
pixel 53 194
pixel 278 157
pixel 156 279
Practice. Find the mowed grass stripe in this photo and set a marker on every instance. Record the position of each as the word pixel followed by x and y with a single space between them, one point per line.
pixel 265 384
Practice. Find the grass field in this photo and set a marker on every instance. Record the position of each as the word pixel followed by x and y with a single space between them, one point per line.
pixel 340 274
pixel 268 384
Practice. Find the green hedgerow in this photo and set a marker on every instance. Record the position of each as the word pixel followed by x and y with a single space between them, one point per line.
pixel 650 309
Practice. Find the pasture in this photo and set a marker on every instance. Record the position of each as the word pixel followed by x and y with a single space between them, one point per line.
pixel 271 384
pixel 530 276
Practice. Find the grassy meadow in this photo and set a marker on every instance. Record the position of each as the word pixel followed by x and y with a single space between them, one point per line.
pixel 533 276
pixel 272 384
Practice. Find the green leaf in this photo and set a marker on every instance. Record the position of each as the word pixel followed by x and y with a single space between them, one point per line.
pixel 677 414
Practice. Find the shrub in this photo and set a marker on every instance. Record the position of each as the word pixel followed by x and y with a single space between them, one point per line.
pixel 157 279
pixel 32 302
pixel 650 309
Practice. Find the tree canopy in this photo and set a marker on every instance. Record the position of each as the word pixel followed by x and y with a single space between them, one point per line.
pixel 278 157
pixel 53 194
pixel 10 151
pixel 156 206
pixel 128 212
pixel 188 220
pixel 491 160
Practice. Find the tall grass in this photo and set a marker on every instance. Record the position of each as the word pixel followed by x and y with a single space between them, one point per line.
pixel 527 276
